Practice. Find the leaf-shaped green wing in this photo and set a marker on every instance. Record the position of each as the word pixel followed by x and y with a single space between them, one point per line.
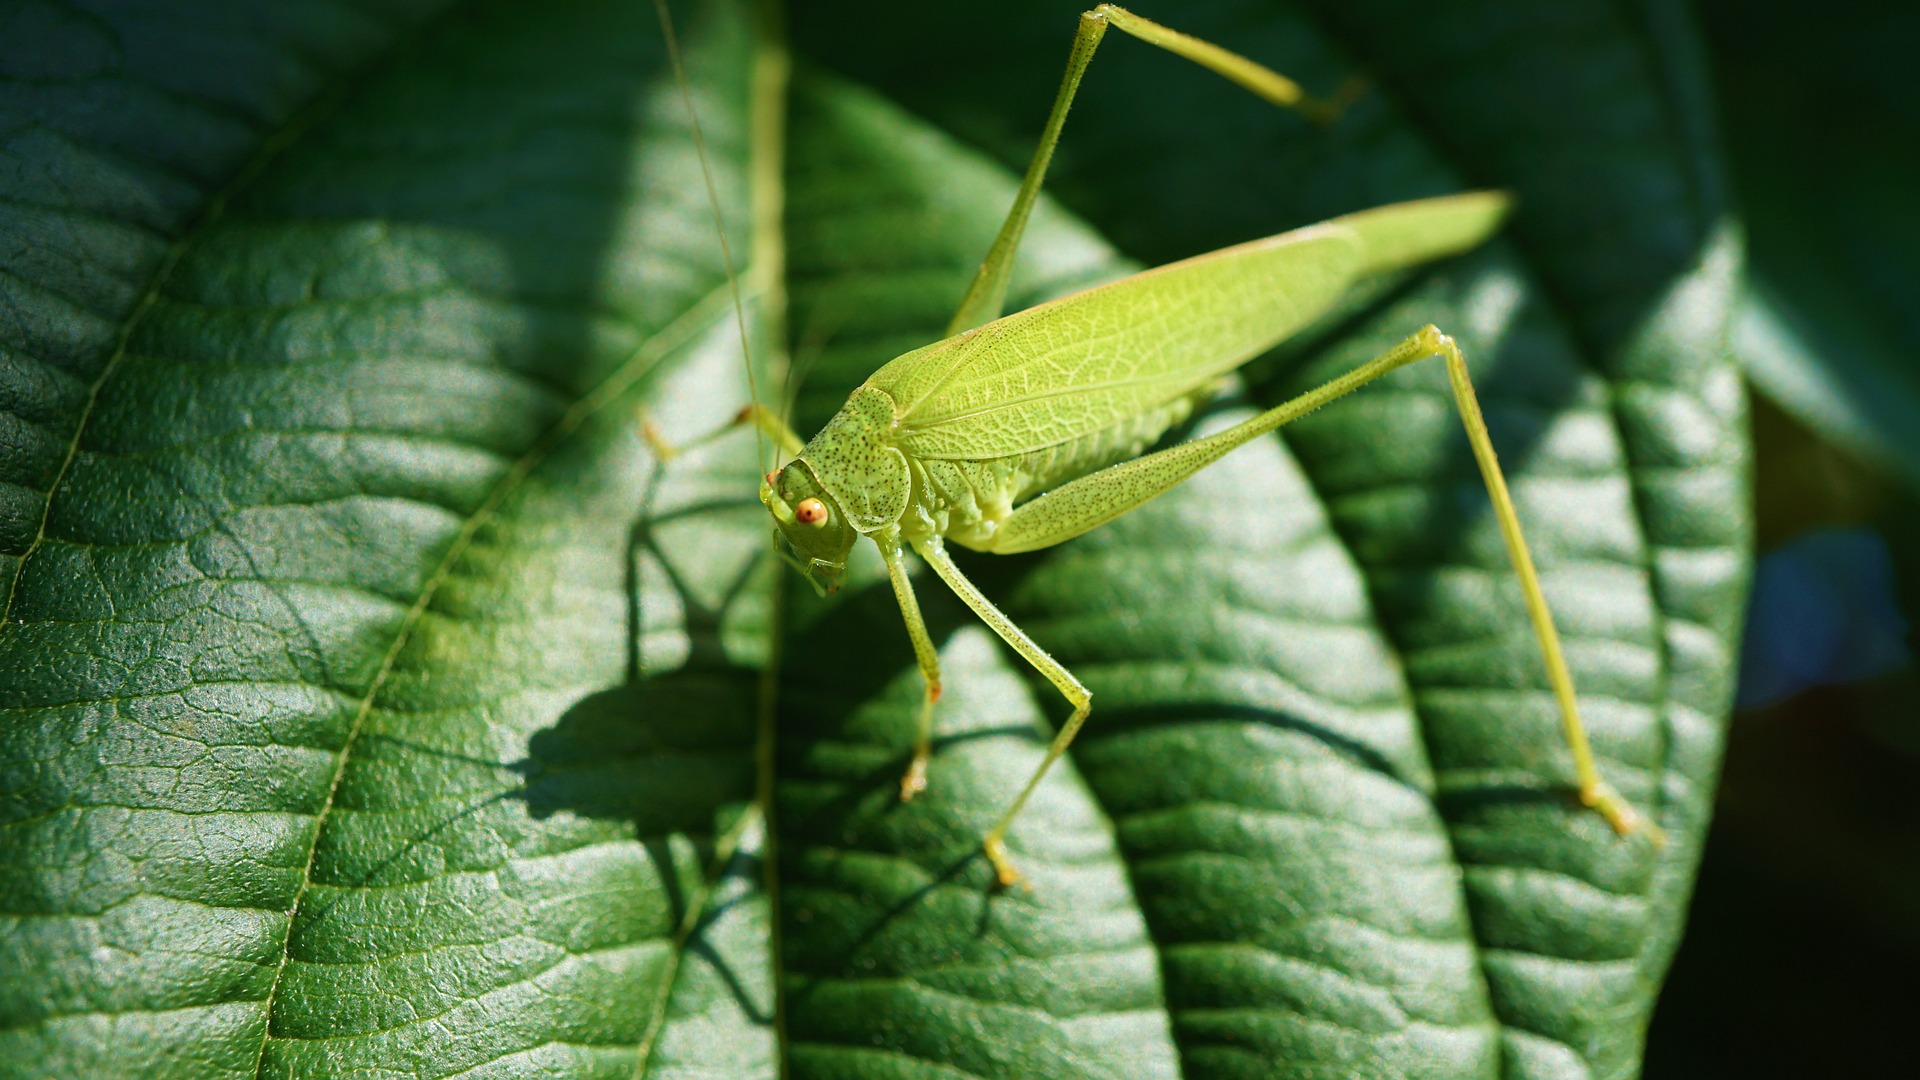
pixel 1101 357
pixel 1105 355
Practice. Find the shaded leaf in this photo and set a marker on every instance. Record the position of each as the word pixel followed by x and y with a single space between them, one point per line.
pixel 1826 329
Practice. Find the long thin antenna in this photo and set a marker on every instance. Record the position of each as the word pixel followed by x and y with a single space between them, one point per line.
pixel 719 221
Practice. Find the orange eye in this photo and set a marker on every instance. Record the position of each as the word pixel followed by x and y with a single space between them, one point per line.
pixel 811 512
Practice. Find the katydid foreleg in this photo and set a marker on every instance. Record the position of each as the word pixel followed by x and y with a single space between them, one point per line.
pixel 761 417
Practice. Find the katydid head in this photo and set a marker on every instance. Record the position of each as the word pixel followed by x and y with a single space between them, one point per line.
pixel 811 532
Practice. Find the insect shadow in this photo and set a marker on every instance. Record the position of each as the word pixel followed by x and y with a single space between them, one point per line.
pixel 845 777
pixel 668 754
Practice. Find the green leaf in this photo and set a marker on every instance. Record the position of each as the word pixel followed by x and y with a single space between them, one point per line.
pixel 1826 328
pixel 1860 395
pixel 326 750
pixel 376 702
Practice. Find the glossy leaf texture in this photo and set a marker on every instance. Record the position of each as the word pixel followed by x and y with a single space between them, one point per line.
pixel 377 702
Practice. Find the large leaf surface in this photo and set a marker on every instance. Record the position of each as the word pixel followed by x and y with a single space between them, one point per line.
pixel 375 703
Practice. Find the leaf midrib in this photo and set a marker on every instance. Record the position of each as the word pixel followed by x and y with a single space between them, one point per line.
pixel 698 316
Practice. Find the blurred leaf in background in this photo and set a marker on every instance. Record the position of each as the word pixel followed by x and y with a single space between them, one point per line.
pixel 377 702
pixel 1822 614
pixel 1821 116
pixel 1807 925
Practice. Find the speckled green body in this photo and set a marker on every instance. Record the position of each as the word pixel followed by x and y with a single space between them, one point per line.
pixel 952 439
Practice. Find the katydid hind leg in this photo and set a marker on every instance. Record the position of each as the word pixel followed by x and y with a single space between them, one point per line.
pixel 986 296
pixel 1076 693
pixel 1098 497
pixel 1594 791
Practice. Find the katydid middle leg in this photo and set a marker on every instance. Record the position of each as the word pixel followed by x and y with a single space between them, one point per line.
pixel 1076 693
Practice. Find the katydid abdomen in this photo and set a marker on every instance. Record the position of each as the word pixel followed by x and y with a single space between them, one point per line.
pixel 967 501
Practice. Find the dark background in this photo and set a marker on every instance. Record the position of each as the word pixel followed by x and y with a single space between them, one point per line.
pixel 1804 940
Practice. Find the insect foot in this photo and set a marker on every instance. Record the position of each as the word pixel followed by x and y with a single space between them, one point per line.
pixel 1003 868
pixel 656 440
pixel 915 781
pixel 1621 815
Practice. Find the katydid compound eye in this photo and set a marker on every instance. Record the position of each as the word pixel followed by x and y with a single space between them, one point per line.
pixel 811 512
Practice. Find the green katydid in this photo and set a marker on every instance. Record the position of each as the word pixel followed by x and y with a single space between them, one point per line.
pixel 1016 433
